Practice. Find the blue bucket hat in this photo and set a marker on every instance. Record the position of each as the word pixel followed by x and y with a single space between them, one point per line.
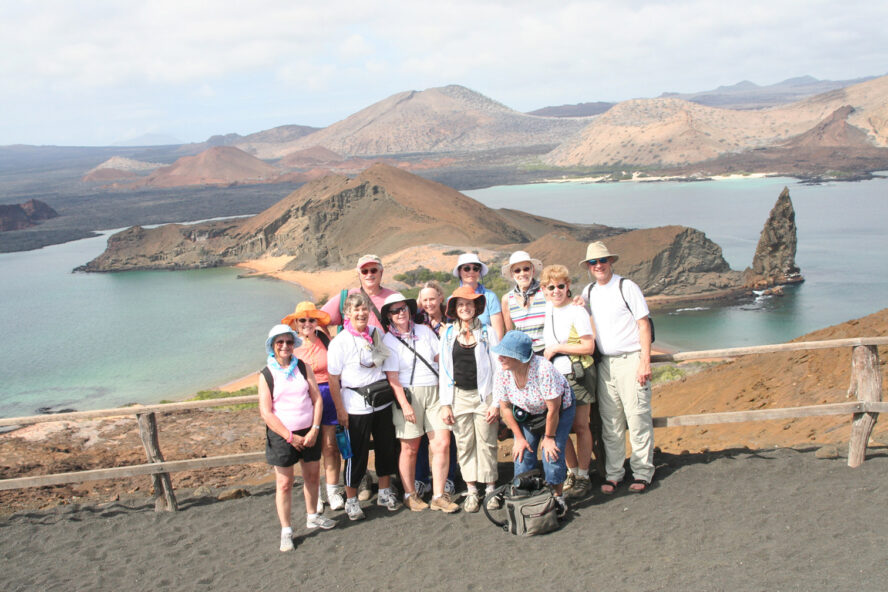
pixel 276 331
pixel 515 344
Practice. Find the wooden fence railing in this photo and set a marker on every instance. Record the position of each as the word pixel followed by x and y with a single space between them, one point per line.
pixel 866 386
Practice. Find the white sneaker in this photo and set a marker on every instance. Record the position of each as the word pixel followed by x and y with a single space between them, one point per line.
pixel 336 500
pixel 286 541
pixel 319 521
pixel 449 487
pixel 353 509
pixel 390 502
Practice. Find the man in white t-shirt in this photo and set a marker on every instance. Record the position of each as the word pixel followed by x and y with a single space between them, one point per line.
pixel 623 337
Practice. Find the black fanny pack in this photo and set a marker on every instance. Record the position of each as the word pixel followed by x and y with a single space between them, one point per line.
pixel 535 423
pixel 377 394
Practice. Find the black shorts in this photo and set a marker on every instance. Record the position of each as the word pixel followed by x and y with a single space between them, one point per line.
pixel 279 453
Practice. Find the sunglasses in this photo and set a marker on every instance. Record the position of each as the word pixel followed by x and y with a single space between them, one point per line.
pixel 397 311
pixel 309 320
pixel 602 260
pixel 284 342
pixel 468 268
pixel 369 270
pixel 553 287
pixel 520 269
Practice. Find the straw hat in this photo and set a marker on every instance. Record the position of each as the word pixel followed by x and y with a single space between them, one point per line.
pixel 469 294
pixel 307 310
pixel 468 258
pixel 597 250
pixel 277 331
pixel 521 257
pixel 391 301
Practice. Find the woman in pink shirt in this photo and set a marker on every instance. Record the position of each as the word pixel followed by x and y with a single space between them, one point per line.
pixel 291 406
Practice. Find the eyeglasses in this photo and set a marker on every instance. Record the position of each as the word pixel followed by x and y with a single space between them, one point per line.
pixel 284 342
pixel 369 270
pixel 397 311
pixel 601 260
pixel 520 269
pixel 552 287
pixel 468 268
pixel 309 320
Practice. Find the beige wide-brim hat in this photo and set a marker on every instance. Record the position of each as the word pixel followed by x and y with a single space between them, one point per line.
pixel 597 250
pixel 521 257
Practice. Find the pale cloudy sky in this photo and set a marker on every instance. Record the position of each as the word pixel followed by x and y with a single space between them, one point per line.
pixel 93 72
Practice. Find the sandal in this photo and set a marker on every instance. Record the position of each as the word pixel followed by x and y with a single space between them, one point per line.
pixel 608 487
pixel 639 486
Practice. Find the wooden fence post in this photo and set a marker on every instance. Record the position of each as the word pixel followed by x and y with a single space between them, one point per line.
pixel 866 383
pixel 164 498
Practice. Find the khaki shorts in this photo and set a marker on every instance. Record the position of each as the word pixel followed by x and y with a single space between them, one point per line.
pixel 427 409
pixel 584 390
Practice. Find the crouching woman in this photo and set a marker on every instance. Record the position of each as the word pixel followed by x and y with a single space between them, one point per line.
pixel 538 406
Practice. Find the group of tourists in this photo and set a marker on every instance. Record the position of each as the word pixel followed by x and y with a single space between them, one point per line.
pixel 429 378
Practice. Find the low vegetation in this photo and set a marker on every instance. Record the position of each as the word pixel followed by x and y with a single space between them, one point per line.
pixel 217 394
pixel 415 278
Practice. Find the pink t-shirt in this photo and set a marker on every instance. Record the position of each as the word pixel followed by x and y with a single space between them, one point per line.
pixel 332 306
pixel 315 355
pixel 290 400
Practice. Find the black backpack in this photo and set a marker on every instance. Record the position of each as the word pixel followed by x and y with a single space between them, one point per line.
pixel 649 318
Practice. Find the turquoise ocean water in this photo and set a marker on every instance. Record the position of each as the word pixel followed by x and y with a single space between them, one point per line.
pixel 89 341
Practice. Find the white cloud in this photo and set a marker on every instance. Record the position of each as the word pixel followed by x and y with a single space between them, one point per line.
pixel 228 61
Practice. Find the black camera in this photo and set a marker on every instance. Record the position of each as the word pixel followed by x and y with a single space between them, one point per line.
pixel 529 481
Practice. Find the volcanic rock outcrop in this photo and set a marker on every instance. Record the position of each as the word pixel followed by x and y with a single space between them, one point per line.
pixel 20 216
pixel 329 222
pixel 774 260
pixel 220 165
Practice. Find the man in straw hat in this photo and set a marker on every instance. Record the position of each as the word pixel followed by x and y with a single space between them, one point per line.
pixel 369 270
pixel 623 336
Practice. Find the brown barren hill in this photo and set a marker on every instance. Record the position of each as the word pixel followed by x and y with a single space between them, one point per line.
pixel 770 381
pixel 221 165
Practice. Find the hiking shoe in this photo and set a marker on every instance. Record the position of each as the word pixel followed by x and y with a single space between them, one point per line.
pixel 449 487
pixel 561 508
pixel 337 500
pixel 581 487
pixel 472 503
pixel 286 541
pixel 353 509
pixel 495 503
pixel 319 521
pixel 415 503
pixel 364 490
pixel 390 501
pixel 444 504
pixel 569 481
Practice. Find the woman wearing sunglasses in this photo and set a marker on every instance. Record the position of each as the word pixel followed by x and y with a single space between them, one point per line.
pixel 309 324
pixel 290 405
pixel 357 364
pixel 469 270
pixel 415 348
pixel 524 306
pixel 570 342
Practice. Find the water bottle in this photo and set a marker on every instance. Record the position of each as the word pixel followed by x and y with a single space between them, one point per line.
pixel 344 442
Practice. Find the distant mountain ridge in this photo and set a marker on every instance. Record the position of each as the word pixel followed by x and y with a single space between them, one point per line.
pixel 445 119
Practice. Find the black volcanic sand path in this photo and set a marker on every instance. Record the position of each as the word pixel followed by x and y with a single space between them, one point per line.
pixel 767 520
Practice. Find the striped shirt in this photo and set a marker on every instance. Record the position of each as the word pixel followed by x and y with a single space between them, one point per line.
pixel 530 320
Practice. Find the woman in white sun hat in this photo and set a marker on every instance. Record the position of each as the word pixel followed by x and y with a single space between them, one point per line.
pixel 469 270
pixel 524 306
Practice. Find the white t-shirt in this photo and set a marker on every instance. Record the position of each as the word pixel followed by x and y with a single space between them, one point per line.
pixel 349 357
pixel 616 327
pixel 426 345
pixel 559 322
